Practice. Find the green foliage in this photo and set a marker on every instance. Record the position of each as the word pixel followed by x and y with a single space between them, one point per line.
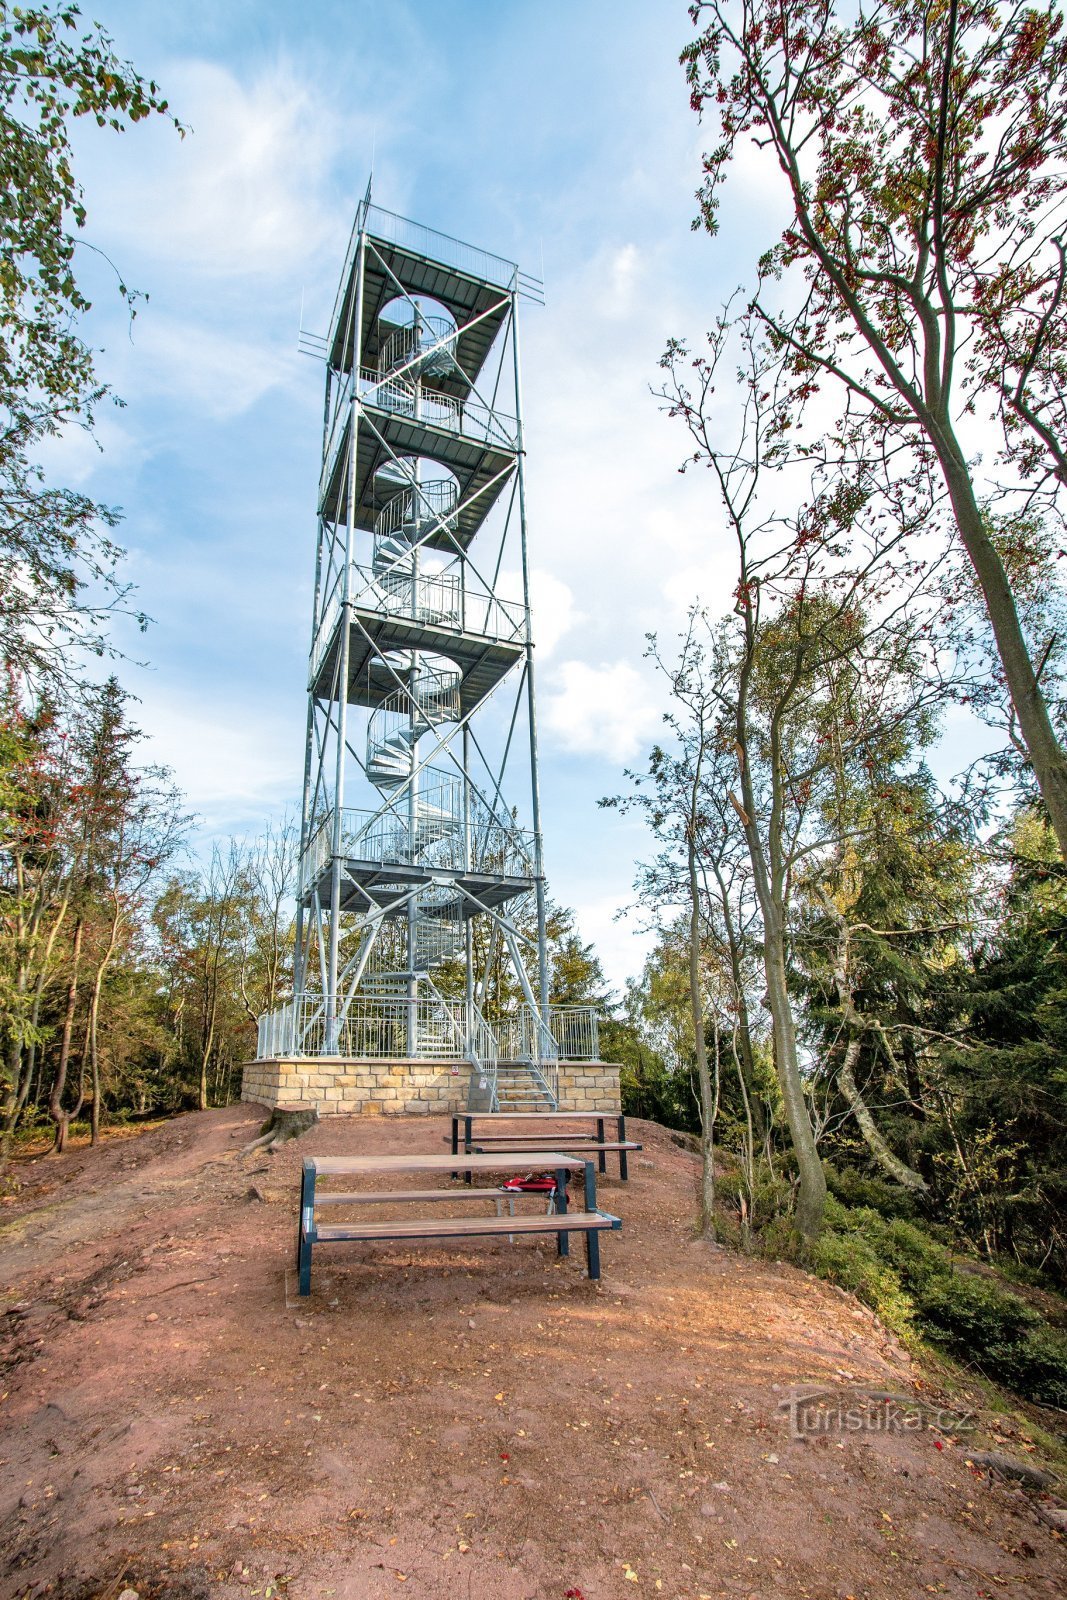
pixel 54 543
pixel 855 1187
pixel 916 1287
pixel 648 1085
pixel 853 1262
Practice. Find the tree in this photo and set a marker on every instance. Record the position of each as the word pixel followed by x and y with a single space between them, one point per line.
pixel 36 887
pixel 127 824
pixel 922 272
pixel 83 834
pixel 887 933
pixel 201 927
pixel 819 679
pixel 999 1095
pixel 271 871
pixel 58 563
pixel 678 799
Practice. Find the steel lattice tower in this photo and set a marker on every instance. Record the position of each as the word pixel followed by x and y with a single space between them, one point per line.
pixel 421 703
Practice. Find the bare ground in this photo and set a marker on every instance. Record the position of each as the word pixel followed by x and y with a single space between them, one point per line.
pixel 475 1421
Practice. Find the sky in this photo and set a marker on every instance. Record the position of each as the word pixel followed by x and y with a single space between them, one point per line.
pixel 557 134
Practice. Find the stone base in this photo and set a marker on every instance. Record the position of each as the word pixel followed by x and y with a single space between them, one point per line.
pixel 341 1086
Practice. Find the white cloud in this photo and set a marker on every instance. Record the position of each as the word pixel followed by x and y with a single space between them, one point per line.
pixel 220 375
pixel 620 944
pixel 231 762
pixel 74 457
pixel 606 710
pixel 623 280
pixel 245 193
pixel 554 613
pixel 551 604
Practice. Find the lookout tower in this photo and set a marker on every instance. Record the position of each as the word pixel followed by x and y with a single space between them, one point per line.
pixel 421 970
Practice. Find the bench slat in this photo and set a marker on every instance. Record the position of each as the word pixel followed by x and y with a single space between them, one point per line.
pixel 535 1116
pixel 520 1144
pixel 467 1227
pixel 383 1196
pixel 334 1166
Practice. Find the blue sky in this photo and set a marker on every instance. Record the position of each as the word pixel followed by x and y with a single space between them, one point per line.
pixel 556 134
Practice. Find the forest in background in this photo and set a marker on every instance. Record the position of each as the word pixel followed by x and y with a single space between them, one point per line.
pixel 857 998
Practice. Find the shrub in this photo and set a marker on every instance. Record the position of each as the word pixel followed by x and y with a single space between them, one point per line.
pixel 851 1262
pixel 913 1284
pixel 877 1194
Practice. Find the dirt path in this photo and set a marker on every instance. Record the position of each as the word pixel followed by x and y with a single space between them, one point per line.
pixel 478 1422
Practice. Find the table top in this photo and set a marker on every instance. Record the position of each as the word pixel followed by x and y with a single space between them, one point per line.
pixel 534 1116
pixel 505 1161
pixel 579 1141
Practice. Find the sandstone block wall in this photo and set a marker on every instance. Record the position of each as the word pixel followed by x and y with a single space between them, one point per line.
pixel 340 1086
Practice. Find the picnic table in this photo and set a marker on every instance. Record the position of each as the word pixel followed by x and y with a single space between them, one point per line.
pixel 534 1139
pixel 591 1222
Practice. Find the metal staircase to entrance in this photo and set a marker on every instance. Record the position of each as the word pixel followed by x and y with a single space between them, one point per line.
pixel 421 902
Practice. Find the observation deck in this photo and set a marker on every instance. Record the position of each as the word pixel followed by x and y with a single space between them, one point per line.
pixel 473 284
pixel 477 444
pixel 489 860
pixel 484 637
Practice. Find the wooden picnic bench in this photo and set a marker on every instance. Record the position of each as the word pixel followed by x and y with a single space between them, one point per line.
pixel 591 1222
pixel 532 1140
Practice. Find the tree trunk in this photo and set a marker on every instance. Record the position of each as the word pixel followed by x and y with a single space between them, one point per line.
pixel 708 1098
pixel 60 1117
pixel 860 1023
pixel 811 1199
pixel 1047 755
pixel 94 1013
pixel 746 1197
pixel 891 1164
pixel 284 1122
pixel 768 880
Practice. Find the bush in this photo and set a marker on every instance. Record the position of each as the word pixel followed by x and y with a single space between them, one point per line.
pixel 851 1262
pixel 913 1284
pixel 877 1194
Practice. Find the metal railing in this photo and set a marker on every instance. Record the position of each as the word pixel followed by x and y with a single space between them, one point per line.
pixel 389 228
pixel 470 418
pixel 400 397
pixel 522 1035
pixel 439 598
pixel 426 345
pixel 341 410
pixel 576 1030
pixel 450 252
pixel 437 840
pixel 433 597
pixel 419 507
pixel 399 1026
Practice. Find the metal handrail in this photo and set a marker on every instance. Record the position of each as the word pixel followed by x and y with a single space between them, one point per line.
pixel 377 1023
pixel 434 599
pixel 432 503
pixel 441 247
pixel 470 418
pixel 426 345
pixel 474 611
pixel 440 839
